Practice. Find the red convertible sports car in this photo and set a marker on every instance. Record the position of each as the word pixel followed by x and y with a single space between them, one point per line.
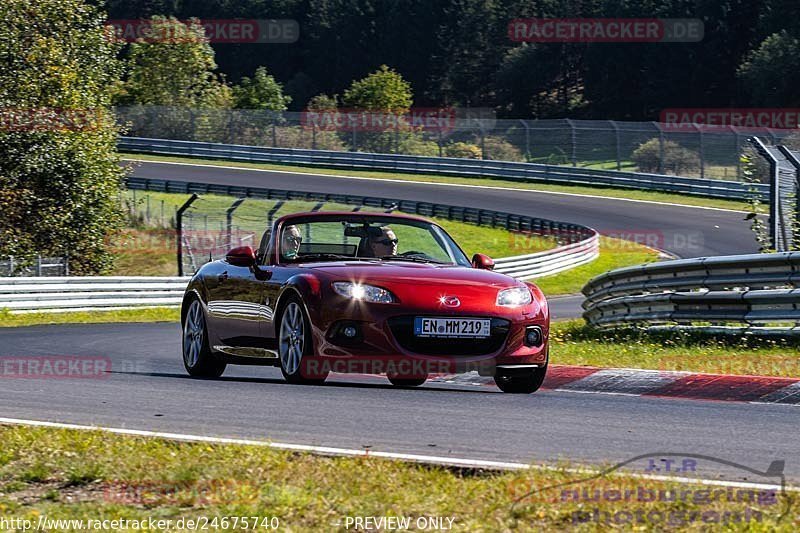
pixel 364 293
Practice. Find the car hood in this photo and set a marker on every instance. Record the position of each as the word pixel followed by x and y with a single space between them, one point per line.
pixel 397 272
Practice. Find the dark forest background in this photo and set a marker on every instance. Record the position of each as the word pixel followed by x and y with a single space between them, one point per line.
pixel 457 52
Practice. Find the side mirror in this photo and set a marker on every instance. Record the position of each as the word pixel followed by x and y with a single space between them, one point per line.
pixel 482 261
pixel 243 256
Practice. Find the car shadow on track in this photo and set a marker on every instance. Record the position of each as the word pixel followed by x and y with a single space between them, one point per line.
pixel 438 387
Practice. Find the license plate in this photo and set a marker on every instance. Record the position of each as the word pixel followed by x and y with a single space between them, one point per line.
pixel 452 327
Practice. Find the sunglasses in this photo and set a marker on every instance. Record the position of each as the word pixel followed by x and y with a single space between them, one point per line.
pixel 388 242
pixel 293 239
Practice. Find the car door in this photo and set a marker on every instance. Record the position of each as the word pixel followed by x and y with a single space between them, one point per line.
pixel 234 304
pixel 271 289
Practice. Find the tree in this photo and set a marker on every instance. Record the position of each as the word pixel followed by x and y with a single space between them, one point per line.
pixel 59 170
pixel 173 65
pixel 384 91
pixel 771 73
pixel 323 102
pixel 657 156
pixel 261 92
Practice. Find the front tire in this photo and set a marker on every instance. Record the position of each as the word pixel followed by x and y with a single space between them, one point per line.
pixel 295 344
pixel 520 382
pixel 197 357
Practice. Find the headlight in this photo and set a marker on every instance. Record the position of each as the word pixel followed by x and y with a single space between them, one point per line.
pixel 514 297
pixel 366 293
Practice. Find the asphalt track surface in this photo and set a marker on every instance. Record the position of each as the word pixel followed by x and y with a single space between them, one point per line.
pixel 148 389
pixel 679 230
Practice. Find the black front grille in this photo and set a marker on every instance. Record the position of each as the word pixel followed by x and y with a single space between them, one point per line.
pixel 403 330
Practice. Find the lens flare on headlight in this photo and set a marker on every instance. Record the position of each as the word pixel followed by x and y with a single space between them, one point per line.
pixel 361 292
pixel 514 297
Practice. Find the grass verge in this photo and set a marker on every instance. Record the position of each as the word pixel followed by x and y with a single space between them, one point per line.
pixel 66 474
pixel 576 343
pixel 614 253
pixel 159 314
pixel 631 194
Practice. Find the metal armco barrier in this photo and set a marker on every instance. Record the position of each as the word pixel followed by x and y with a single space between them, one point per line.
pixel 513 171
pixel 707 293
pixel 581 243
pixel 91 293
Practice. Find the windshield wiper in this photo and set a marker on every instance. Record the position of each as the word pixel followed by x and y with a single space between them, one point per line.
pixel 414 259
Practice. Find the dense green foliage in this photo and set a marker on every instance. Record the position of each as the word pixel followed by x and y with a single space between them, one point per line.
pixel 458 52
pixel 384 90
pixel 261 92
pixel 179 73
pixel 59 173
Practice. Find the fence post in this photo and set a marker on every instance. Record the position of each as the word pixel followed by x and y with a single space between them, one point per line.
pixel 702 152
pixel 274 136
pixel 527 140
pixel 313 137
pixel 271 213
pixel 38 265
pixel 619 144
pixel 774 194
pixel 737 144
pixel 179 230
pixel 483 139
pixel 229 219
pixel 66 264
pixel 660 148
pixel 574 142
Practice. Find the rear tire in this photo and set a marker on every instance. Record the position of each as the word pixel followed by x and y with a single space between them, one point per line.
pixel 197 357
pixel 295 344
pixel 398 381
pixel 521 382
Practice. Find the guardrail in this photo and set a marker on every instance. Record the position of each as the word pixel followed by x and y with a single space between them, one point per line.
pixel 581 244
pixel 756 290
pixel 91 293
pixel 513 171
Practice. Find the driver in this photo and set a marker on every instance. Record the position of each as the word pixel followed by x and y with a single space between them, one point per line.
pixel 290 242
pixel 383 243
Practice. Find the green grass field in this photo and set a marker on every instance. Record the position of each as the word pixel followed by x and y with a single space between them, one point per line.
pixel 575 343
pixel 632 194
pixel 157 314
pixel 67 474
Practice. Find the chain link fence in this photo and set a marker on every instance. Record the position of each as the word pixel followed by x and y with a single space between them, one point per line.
pixel 41 266
pixel 601 144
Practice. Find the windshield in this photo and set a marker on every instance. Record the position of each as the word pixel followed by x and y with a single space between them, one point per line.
pixel 368 239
